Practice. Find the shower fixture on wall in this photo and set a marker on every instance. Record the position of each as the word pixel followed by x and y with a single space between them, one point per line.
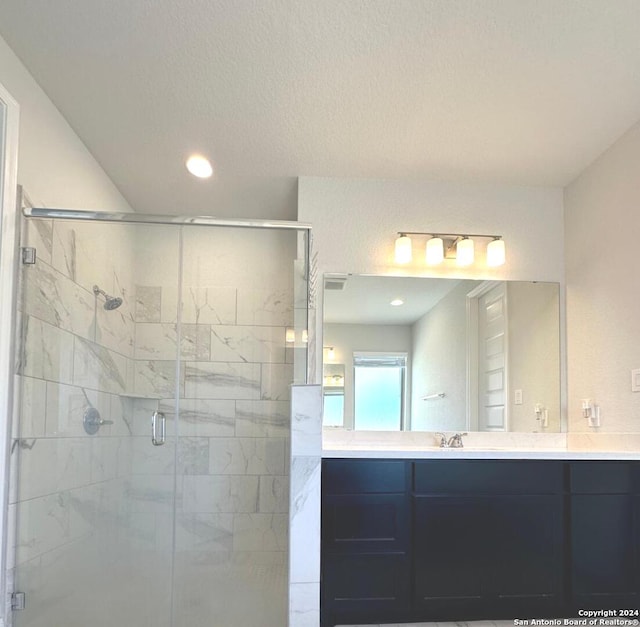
pixel 111 302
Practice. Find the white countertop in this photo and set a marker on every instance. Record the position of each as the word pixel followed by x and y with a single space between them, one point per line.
pixel 340 443
pixel 468 453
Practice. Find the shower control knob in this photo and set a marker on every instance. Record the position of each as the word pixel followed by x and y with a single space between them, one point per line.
pixel 92 421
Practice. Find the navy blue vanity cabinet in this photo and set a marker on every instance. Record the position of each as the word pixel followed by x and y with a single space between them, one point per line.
pixel 605 525
pixel 488 538
pixel 460 539
pixel 365 539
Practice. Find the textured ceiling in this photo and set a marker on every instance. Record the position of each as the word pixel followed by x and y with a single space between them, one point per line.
pixel 513 91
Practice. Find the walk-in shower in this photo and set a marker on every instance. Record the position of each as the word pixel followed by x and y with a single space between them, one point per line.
pixel 151 466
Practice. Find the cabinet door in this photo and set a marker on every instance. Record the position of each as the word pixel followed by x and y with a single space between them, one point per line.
pixel 604 565
pixel 448 549
pixel 499 555
pixel 524 557
pixel 359 523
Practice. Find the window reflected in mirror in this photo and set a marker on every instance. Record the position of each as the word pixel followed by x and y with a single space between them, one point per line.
pixel 379 391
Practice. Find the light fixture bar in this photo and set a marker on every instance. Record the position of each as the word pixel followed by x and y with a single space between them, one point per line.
pixel 443 235
pixel 442 246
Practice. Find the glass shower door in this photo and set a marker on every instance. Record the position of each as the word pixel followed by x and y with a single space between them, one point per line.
pixel 94 503
pixel 244 310
pixel 151 442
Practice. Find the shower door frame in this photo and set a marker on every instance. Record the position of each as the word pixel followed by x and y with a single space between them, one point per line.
pixel 131 218
pixel 9 125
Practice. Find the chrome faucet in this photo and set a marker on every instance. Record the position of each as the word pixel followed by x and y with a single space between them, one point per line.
pixel 443 439
pixel 455 441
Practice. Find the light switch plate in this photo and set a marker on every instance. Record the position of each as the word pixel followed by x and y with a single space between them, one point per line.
pixel 517 397
pixel 635 380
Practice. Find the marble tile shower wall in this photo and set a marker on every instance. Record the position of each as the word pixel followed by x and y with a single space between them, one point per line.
pixel 234 409
pixel 74 355
pixel 233 446
pixel 92 510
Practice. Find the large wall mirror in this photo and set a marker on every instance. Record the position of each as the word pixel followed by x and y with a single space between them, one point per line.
pixel 432 354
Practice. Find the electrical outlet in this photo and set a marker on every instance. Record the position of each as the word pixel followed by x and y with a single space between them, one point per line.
pixel 635 380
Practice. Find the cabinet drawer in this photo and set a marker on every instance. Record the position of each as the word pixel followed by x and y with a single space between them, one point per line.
pixel 487 477
pixel 365 582
pixel 602 477
pixel 365 522
pixel 356 476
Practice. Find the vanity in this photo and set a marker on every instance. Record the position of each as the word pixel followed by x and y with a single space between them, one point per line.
pixel 522 519
pixel 435 535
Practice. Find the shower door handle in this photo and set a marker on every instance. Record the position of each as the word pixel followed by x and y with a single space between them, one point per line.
pixel 158 428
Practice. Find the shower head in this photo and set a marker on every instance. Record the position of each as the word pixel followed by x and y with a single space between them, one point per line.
pixel 111 302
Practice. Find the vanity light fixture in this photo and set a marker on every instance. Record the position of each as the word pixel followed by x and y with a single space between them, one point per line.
pixel 331 353
pixel 403 248
pixel 465 252
pixel 435 251
pixel 495 252
pixel 441 246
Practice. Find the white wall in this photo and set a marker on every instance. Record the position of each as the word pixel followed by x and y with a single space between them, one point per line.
pixel 347 338
pixel 56 170
pixel 355 222
pixel 54 166
pixel 534 346
pixel 602 225
pixel 440 364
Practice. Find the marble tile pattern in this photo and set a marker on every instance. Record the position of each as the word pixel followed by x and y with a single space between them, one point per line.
pixel 100 512
pixel 200 305
pixel 234 430
pixel 148 303
pixel 70 496
pixel 304 506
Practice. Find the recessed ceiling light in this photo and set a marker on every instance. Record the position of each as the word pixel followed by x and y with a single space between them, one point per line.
pixel 396 302
pixel 199 166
